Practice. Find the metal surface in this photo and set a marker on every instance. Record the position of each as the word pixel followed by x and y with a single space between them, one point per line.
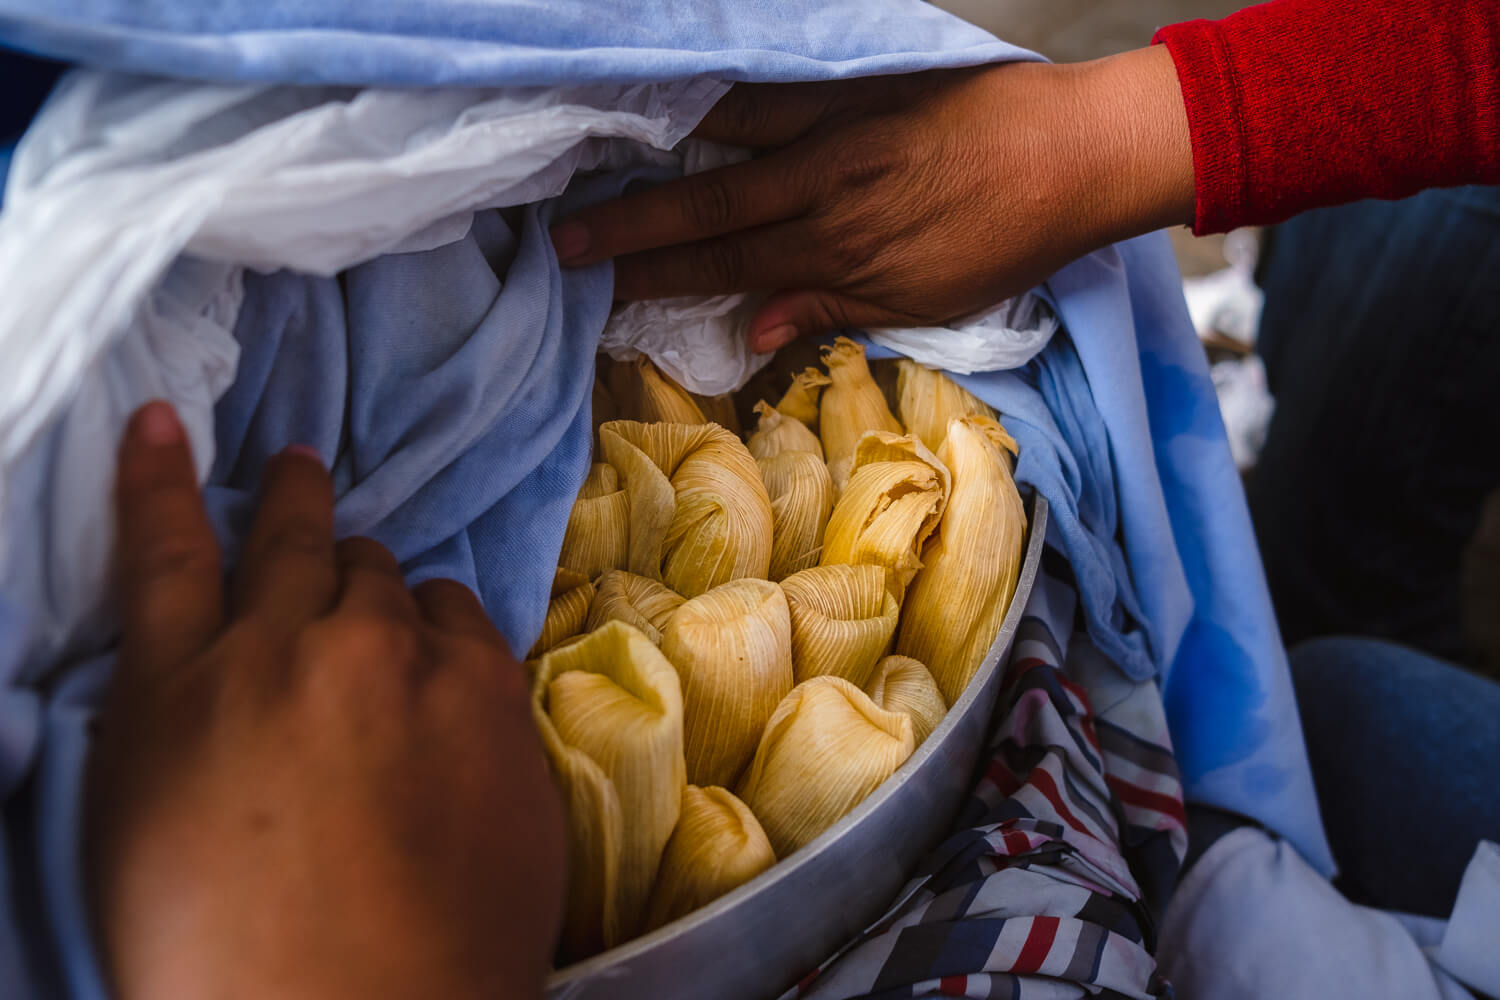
pixel 760 939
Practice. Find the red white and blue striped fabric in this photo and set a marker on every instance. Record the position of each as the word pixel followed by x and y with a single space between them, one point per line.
pixel 1067 849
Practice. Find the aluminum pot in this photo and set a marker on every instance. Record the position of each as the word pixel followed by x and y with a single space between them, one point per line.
pixel 760 939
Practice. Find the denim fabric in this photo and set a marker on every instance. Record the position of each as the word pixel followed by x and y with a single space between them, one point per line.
pixel 1405 752
pixel 1381 337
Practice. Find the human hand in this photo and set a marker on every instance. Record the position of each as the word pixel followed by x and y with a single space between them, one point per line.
pixel 321 784
pixel 905 200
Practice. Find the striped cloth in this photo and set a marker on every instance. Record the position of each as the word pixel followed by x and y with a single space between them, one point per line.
pixel 1068 846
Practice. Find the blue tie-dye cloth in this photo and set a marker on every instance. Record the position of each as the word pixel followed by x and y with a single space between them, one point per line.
pixel 450 387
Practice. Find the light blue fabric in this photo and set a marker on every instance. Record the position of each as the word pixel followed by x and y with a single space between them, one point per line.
pixel 450 388
pixel 497 42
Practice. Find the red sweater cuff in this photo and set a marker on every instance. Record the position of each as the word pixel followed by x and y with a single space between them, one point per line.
pixel 1296 104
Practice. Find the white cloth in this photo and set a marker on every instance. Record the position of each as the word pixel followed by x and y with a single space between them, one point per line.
pixel 1252 920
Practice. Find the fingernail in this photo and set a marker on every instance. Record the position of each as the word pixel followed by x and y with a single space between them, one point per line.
pixel 775 338
pixel 157 423
pixel 303 451
pixel 570 240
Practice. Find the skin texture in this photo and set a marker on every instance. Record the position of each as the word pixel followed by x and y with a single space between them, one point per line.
pixel 315 782
pixel 905 200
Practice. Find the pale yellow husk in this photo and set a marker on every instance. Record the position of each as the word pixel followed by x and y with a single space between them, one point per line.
pixel 801 499
pixel 957 602
pixel 598 534
pixel 634 600
pixel 776 433
pixel 843 619
pixel 800 402
pixel 852 404
pixel 891 505
pixel 567 610
pixel 718 846
pixel 826 747
pixel 732 647
pixel 609 710
pixel 699 513
pixel 927 400
pixel 901 684
pixel 642 392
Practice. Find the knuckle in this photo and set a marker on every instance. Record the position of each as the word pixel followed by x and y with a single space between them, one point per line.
pixel 367 645
pixel 296 538
pixel 710 206
pixel 723 263
pixel 174 555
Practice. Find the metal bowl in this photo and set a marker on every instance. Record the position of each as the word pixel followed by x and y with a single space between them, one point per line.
pixel 760 939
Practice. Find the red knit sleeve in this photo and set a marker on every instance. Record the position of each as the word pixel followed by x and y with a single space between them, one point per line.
pixel 1296 104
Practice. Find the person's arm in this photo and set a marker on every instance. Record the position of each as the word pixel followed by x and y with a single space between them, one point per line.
pixel 317 783
pixel 1298 104
pixel 906 200
pixel 903 201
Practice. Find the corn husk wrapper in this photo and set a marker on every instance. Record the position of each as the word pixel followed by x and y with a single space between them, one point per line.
pixel 598 534
pixel 852 404
pixel 957 602
pixel 732 647
pixel 801 401
pixel 718 846
pixel 634 600
pixel 843 620
pixel 801 500
pixel 928 399
pixel 776 433
pixel 718 410
pixel 892 504
pixel 642 392
pixel 699 513
pixel 826 747
pixel 901 684
pixel 567 610
pixel 609 710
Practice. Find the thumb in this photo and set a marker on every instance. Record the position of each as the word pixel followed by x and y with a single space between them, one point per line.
pixel 786 316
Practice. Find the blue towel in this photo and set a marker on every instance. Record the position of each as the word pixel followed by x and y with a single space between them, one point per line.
pixel 449 389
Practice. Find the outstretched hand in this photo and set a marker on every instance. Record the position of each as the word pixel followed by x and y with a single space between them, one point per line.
pixel 317 783
pixel 904 200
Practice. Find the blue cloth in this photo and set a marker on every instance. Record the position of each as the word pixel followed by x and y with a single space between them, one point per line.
pixel 497 42
pixel 449 388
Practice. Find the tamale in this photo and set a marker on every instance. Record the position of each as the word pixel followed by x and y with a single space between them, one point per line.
pixel 901 684
pixel 776 433
pixel 843 619
pixel 699 513
pixel 718 846
pixel 732 647
pixel 643 392
pixel 609 710
pixel 800 402
pixel 892 504
pixel 633 600
pixel 826 747
pixel 598 534
pixel 568 608
pixel 852 404
pixel 928 399
pixel 801 499
pixel 957 602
